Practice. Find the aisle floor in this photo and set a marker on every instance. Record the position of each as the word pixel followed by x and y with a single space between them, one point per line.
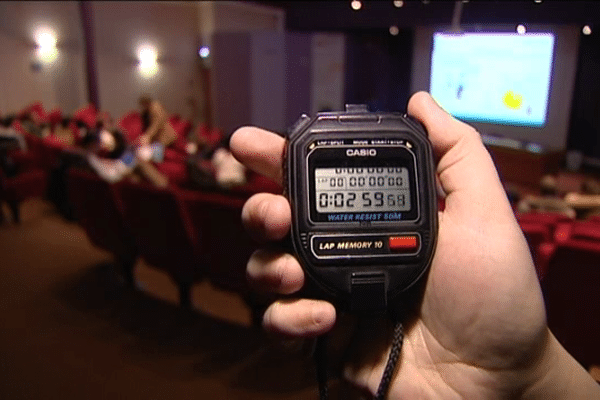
pixel 71 331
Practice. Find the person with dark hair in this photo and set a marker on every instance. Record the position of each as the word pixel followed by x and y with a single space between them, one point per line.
pixel 155 123
pixel 7 131
pixel 478 328
pixel 109 155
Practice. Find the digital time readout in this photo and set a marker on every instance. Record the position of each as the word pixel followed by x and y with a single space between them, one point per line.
pixel 362 189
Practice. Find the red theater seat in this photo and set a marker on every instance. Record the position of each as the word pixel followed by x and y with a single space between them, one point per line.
pixel 577 230
pixel 101 215
pixel 572 298
pixel 546 218
pixel 87 115
pixel 131 125
pixel 217 219
pixel 536 234
pixel 163 234
pixel 36 110
pixel 176 171
pixel 24 185
pixel 211 135
pixel 54 117
pixel 35 145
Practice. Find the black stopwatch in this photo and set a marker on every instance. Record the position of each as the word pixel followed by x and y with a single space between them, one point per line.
pixel 364 210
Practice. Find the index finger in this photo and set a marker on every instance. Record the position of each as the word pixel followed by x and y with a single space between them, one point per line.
pixel 260 150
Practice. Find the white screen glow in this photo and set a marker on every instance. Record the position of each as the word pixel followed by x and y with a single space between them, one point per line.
pixel 501 78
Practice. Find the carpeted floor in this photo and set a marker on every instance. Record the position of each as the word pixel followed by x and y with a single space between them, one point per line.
pixel 71 331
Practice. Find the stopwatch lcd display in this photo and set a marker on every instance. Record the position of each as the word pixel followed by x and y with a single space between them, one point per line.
pixel 362 189
pixel 362 184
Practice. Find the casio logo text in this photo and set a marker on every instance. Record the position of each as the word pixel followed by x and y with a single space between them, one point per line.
pixel 361 152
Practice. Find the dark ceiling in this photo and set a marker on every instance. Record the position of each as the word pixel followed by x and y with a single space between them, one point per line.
pixel 339 16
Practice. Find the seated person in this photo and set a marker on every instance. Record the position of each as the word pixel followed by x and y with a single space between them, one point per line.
pixel 16 141
pixel 63 132
pixel 7 131
pixel 28 122
pixel 109 155
pixel 229 172
pixel 104 120
pixel 548 201
pixel 587 202
pixel 155 123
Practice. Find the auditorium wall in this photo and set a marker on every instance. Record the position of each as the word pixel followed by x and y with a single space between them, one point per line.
pixel 23 77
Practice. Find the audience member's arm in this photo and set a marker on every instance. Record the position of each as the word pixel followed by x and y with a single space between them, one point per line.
pixel 158 118
pixel 153 175
pixel 110 170
pixel 578 200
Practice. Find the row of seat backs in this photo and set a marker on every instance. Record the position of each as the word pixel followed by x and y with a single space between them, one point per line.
pixel 30 181
pixel 568 257
pixel 27 184
pixel 189 234
pixel 131 125
pixel 571 288
pixel 544 231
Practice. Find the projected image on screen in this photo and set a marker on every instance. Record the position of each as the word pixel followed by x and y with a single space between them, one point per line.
pixel 501 78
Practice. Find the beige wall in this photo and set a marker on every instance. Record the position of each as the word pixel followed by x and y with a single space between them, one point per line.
pixel 59 84
pixel 120 27
pixel 176 29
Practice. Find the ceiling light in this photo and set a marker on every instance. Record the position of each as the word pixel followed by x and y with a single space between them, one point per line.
pixel 394 31
pixel 521 29
pixel 356 5
pixel 587 30
pixel 398 3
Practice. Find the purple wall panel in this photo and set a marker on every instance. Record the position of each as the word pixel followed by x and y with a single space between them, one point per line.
pixel 297 75
pixel 231 73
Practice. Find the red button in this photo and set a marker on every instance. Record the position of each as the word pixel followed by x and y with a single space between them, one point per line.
pixel 403 243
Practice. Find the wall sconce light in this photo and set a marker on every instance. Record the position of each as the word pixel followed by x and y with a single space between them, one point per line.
pixel 147 61
pixel 46 50
pixel 204 52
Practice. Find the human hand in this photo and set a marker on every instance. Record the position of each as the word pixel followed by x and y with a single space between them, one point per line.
pixel 480 330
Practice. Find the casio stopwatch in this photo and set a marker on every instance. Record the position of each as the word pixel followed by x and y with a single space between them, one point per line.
pixel 361 186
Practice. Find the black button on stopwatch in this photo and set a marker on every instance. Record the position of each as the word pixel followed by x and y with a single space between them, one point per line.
pixel 364 209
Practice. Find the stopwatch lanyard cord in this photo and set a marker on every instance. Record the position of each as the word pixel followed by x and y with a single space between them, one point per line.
pixel 388 373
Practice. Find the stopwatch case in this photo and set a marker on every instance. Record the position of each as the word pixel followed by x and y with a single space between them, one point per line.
pixel 343 277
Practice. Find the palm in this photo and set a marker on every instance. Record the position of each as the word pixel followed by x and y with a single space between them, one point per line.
pixel 472 303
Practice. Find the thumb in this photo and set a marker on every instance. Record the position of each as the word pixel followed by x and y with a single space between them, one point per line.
pixel 465 169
